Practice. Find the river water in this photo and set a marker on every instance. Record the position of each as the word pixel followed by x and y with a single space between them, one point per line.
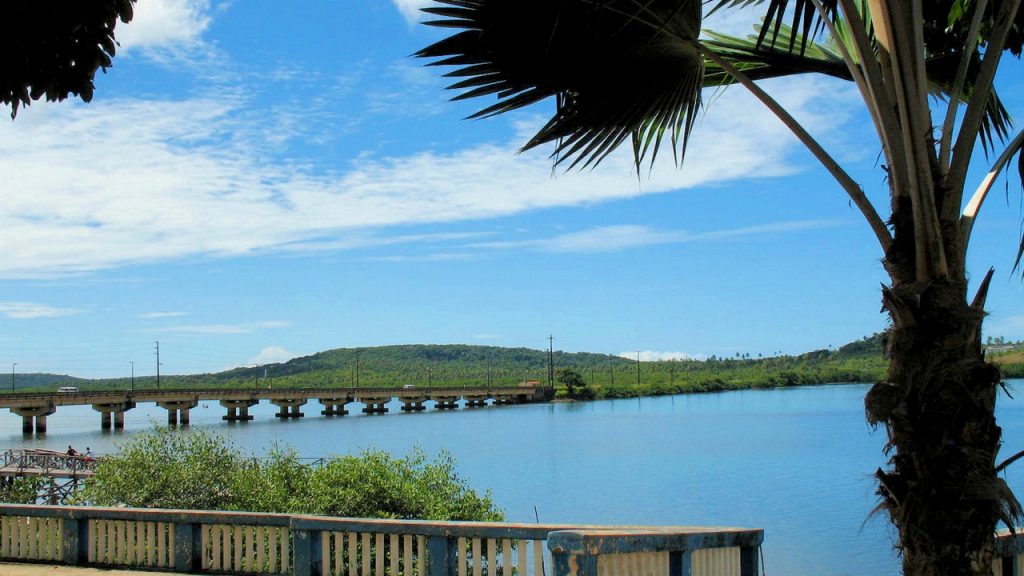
pixel 796 462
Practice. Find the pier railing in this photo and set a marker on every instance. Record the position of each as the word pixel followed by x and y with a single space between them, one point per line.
pixel 36 462
pixel 247 543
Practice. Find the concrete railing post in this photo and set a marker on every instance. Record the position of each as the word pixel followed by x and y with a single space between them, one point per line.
pixel 441 556
pixel 564 563
pixel 680 563
pixel 75 541
pixel 749 565
pixel 184 547
pixel 306 552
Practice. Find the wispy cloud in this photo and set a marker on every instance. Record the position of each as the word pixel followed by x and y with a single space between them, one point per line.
pixel 243 328
pixel 624 237
pixel 119 183
pixel 410 9
pixel 31 311
pixel 163 24
pixel 156 315
pixel 433 257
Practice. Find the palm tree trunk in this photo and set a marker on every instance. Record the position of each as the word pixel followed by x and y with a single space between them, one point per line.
pixel 942 490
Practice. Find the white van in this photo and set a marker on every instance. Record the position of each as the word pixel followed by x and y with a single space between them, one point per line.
pixel 67 389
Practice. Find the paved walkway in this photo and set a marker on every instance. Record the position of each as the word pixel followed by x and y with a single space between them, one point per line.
pixel 9 569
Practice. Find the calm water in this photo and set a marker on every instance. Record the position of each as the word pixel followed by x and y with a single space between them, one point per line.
pixel 795 462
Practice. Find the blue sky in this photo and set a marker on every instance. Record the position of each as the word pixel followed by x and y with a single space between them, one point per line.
pixel 259 180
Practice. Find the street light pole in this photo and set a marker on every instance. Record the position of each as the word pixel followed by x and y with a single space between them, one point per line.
pixel 132 362
pixel 12 376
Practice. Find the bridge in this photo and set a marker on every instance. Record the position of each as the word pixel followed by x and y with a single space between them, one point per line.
pixel 34 408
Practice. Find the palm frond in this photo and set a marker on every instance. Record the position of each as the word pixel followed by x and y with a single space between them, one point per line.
pixel 618 69
pixel 759 61
pixel 804 17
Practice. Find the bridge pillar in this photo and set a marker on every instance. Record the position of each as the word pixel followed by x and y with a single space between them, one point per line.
pixel 334 406
pixel 238 410
pixel 178 410
pixel 375 404
pixel 476 401
pixel 446 402
pixel 289 407
pixel 412 403
pixel 117 409
pixel 33 418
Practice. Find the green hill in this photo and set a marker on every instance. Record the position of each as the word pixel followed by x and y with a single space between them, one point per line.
pixel 465 365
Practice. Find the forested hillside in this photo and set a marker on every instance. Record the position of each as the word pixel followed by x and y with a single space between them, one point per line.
pixel 464 365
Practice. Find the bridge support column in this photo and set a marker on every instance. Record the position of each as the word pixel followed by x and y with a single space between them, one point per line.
pixel 289 407
pixel 238 410
pixel 446 402
pixel 117 409
pixel 476 401
pixel 33 418
pixel 334 406
pixel 413 404
pixel 375 404
pixel 178 410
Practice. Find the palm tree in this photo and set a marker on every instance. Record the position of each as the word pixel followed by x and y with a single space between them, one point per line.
pixel 634 69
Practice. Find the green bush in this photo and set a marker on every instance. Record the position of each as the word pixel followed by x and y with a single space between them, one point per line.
pixel 22 491
pixel 198 470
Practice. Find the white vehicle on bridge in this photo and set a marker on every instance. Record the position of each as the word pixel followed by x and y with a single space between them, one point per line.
pixel 67 389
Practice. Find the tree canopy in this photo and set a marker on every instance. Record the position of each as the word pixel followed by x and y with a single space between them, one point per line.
pixel 53 48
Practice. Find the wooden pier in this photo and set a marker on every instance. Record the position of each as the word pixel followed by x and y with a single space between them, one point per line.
pixel 60 475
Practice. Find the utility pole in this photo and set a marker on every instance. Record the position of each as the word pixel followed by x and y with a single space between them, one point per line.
pixel 158 365
pixel 611 368
pixel 12 376
pixel 133 374
pixel 357 367
pixel 638 368
pixel 551 361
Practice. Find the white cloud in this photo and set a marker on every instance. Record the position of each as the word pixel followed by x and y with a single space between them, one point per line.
pixel 410 9
pixel 31 311
pixel 624 237
pixel 164 24
pixel 118 183
pixel 271 355
pixel 654 356
pixel 155 315
pixel 243 328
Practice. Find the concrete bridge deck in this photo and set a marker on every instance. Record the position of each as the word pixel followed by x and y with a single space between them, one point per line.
pixel 34 408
